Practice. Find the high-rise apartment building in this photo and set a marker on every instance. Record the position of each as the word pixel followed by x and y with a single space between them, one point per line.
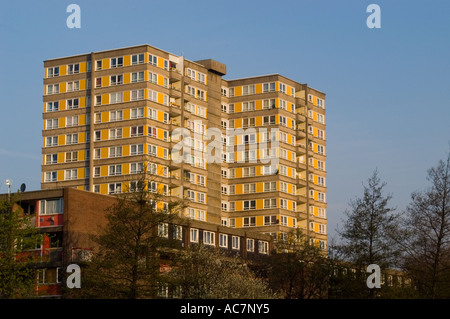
pixel 246 152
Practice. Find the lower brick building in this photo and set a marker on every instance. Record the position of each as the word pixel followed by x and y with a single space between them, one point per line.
pixel 66 218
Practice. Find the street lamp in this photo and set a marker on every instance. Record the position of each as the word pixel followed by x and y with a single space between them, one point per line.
pixel 9 183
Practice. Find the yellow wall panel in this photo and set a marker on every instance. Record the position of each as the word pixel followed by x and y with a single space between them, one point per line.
pixel 60 176
pixel 104 152
pixel 238 221
pixel 62 87
pixel 238 91
pixel 160 63
pixel 127 60
pixel 126 150
pixel 126 96
pixel 106 63
pixel 126 78
pixel 104 189
pixel 105 81
pixel 126 132
pixel 103 170
pixel 105 116
pixel 258 88
pixel 61 140
pixel 105 99
pixel 83 67
pixel 80 174
pixel 104 135
pixel 126 114
pixel 62 70
pixel 125 169
pixel 160 98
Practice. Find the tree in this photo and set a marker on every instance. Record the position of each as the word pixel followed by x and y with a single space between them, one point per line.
pixel 203 273
pixel 126 264
pixel 425 235
pixel 367 232
pixel 17 237
pixel 298 270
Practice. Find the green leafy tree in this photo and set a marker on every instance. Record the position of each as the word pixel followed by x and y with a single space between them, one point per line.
pixel 126 264
pixel 17 237
pixel 201 272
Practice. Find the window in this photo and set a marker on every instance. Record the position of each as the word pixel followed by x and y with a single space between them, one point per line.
pixel 137 113
pixel 137 95
pixel 208 238
pixel 249 204
pixel 249 221
pixel 284 220
pixel 50 176
pixel 51 141
pixel 72 138
pixel 116 79
pixel 73 68
pixel 153 77
pixel 51 206
pixel 137 76
pixel 137 59
pixel 270 203
pixel 270 220
pixel 250 245
pixel 137 168
pixel 115 188
pixel 98 100
pixel 270 186
pixel 249 171
pixel 194 235
pixel 152 59
pixel 235 242
pixel 177 232
pixel 137 149
pixel 115 170
pixel 248 89
pixel 116 62
pixel 53 71
pixel 115 98
pixel 52 88
pixel 52 106
pixel 52 124
pixel 98 64
pixel 72 120
pixel 223 240
pixel 70 174
pixel 282 87
pixel 115 116
pixel 115 133
pixel 249 188
pixel 269 87
pixel 137 131
pixel 51 158
pixel 72 156
pixel 114 151
pixel 72 104
pixel 263 247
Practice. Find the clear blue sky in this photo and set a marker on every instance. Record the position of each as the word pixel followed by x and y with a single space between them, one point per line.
pixel 388 89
